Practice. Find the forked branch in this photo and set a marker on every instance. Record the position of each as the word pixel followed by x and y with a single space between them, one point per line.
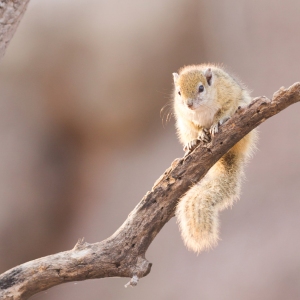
pixel 123 254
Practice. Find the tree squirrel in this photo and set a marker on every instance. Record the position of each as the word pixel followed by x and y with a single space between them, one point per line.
pixel 205 96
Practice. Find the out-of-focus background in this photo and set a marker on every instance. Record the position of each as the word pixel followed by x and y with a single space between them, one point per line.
pixel 82 140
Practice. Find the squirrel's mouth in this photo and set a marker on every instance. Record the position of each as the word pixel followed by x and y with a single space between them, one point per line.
pixel 190 106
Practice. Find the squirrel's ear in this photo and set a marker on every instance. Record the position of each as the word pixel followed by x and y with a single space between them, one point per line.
pixel 208 75
pixel 175 77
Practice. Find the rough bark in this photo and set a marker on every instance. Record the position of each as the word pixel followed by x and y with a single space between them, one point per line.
pixel 11 13
pixel 123 254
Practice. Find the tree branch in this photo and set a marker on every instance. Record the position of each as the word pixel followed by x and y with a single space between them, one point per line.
pixel 123 254
pixel 11 13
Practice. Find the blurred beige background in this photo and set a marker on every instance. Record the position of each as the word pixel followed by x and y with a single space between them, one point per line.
pixel 82 140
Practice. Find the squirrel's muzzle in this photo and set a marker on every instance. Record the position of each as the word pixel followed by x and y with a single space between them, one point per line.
pixel 189 103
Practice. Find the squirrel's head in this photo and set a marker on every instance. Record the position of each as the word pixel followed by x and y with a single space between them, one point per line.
pixel 192 87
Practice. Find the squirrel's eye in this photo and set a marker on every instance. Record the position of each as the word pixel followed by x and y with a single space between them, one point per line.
pixel 201 88
pixel 179 93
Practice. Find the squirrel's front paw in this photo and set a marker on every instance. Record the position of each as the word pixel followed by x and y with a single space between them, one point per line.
pixel 190 146
pixel 214 129
pixel 223 120
pixel 204 135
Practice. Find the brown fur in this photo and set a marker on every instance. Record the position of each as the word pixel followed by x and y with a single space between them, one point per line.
pixel 197 211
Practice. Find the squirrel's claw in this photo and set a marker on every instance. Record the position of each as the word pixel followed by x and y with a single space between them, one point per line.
pixel 204 135
pixel 214 129
pixel 190 146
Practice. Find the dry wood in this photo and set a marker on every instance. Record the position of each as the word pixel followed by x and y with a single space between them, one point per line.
pixel 123 254
pixel 11 13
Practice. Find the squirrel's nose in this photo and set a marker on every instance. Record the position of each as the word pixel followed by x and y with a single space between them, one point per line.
pixel 190 103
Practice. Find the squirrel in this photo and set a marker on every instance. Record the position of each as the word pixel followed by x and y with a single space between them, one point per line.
pixel 206 96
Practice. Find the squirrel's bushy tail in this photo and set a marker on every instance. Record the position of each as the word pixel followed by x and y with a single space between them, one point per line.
pixel 197 211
